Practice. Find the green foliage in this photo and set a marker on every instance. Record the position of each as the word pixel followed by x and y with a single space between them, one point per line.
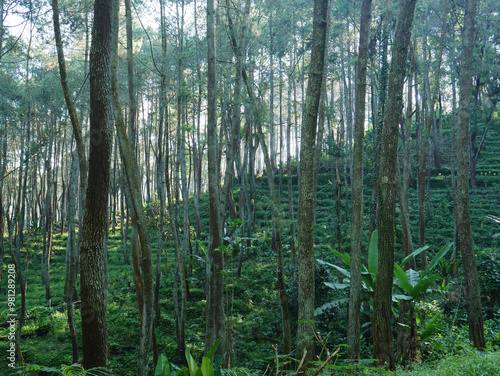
pixel 410 284
pixel 488 264
pixel 65 370
pixel 468 363
pixel 207 368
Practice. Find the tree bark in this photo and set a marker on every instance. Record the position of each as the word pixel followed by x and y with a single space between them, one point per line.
pixel 75 123
pixel 353 326
pixel 70 283
pixel 129 165
pixel 305 332
pixel 215 318
pixel 382 313
pixel 95 225
pixel 473 295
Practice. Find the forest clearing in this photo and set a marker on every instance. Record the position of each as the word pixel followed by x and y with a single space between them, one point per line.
pixel 242 187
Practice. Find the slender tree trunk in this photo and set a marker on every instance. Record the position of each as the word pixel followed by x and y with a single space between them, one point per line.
pixel 75 123
pixel 406 333
pixel 48 218
pixel 291 211
pixel 160 176
pixel 135 198
pixel 70 284
pixel 382 313
pixel 215 318
pixel 305 332
pixel 3 169
pixel 353 327
pixel 384 73
pixel 473 295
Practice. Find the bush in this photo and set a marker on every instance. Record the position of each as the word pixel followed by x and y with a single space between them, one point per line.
pixel 488 263
pixel 468 363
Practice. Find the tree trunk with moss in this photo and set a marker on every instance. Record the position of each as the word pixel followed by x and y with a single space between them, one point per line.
pixel 472 291
pixel 95 225
pixel 215 318
pixel 353 327
pixel 305 332
pixel 383 350
pixel 142 262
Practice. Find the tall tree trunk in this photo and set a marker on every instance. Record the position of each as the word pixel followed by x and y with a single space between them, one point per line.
pixel 129 165
pixel 76 126
pixel 384 73
pixel 382 313
pixel 353 328
pixel 291 211
pixel 473 296
pixel 70 282
pixel 3 169
pixel 48 217
pixel 215 318
pixel 181 189
pixel 95 224
pixel 305 332
pixel 406 333
pixel 75 123
pixel 160 175
pixel 431 99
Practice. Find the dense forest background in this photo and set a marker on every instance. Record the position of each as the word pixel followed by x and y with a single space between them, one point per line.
pixel 273 186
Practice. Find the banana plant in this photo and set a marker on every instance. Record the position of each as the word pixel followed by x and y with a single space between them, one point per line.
pixel 410 283
pixel 163 367
pixel 413 283
pixel 207 368
pixel 368 274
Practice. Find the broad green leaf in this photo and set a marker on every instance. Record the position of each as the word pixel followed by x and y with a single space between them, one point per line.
pixel 342 270
pixel 396 297
pixel 202 247
pixel 345 257
pixel 193 367
pixel 424 283
pixel 373 253
pixel 413 277
pixel 217 365
pixel 325 263
pixel 207 369
pixel 162 367
pixel 432 322
pixel 336 286
pixel 212 351
pixel 403 280
pixel 430 327
pixel 332 304
pixel 442 252
pixel 367 279
pixel 414 254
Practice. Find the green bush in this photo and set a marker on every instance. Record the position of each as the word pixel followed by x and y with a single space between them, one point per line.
pixel 468 363
pixel 488 263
